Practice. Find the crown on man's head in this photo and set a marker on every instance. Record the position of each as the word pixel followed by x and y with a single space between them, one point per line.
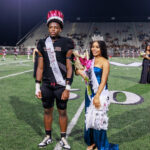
pixel 97 38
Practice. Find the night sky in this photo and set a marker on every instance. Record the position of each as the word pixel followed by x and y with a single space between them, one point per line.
pixel 20 16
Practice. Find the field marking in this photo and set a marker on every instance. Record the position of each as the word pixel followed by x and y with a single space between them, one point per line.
pixel 15 74
pixel 71 124
pixel 23 65
pixel 17 62
pixel 131 98
pixel 135 64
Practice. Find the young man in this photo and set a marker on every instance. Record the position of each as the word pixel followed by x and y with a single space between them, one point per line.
pixel 55 71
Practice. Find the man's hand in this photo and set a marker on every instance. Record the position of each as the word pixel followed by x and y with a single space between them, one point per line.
pixel 65 94
pixel 38 93
pixel 96 101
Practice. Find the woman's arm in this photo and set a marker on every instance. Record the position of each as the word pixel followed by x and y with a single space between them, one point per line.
pixel 146 55
pixel 105 74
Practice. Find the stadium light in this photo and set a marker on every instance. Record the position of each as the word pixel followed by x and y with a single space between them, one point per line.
pixel 113 18
pixel 78 18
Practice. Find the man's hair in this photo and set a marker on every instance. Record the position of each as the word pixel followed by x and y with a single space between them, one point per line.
pixel 57 21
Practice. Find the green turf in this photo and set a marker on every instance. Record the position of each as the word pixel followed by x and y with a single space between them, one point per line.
pixel 21 114
pixel 125 60
pixel 121 97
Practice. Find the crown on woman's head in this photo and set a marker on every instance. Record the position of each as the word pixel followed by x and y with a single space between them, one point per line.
pixel 97 38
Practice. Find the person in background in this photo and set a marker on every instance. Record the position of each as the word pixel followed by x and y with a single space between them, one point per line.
pixel 145 74
pixel 16 51
pixel 28 53
pixel 4 51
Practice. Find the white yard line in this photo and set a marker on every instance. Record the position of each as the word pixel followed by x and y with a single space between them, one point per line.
pixel 15 62
pixel 15 74
pixel 135 64
pixel 72 124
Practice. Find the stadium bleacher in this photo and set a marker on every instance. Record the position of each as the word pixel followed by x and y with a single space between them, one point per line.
pixel 120 37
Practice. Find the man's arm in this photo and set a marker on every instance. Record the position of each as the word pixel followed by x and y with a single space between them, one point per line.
pixel 39 72
pixel 65 94
pixel 69 65
pixel 39 75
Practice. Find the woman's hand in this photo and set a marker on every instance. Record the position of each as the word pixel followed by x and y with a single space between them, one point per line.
pixel 82 74
pixel 96 101
pixel 144 56
pixel 79 72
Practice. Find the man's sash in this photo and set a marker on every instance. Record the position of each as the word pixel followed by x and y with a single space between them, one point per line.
pixel 53 62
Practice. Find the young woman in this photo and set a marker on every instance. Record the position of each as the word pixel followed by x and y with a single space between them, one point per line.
pixel 96 103
pixel 145 74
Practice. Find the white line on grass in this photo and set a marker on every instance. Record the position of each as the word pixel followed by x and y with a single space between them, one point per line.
pixel 134 64
pixel 72 124
pixel 15 62
pixel 15 74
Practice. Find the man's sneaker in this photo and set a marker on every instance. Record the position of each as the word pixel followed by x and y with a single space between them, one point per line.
pixel 64 144
pixel 46 140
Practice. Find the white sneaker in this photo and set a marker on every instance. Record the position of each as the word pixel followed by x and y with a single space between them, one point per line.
pixel 46 140
pixel 64 144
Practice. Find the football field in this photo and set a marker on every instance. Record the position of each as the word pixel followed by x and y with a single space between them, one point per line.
pixel 21 114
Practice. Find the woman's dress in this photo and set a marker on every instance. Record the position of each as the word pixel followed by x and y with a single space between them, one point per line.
pixel 145 74
pixel 95 133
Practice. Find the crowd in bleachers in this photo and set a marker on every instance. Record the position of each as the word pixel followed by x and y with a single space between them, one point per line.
pixel 80 37
pixel 121 38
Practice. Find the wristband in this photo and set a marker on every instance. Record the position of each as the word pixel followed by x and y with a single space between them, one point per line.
pixel 37 88
pixel 69 80
pixel 68 87
pixel 68 57
pixel 37 81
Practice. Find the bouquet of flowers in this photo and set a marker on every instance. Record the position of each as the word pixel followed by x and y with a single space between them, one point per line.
pixel 142 53
pixel 82 62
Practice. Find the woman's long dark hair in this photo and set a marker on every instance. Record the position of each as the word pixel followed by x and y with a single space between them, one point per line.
pixel 103 49
pixel 147 44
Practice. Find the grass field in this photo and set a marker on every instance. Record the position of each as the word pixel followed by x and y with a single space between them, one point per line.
pixel 21 114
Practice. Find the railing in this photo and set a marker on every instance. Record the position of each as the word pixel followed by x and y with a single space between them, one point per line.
pixel 29 33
